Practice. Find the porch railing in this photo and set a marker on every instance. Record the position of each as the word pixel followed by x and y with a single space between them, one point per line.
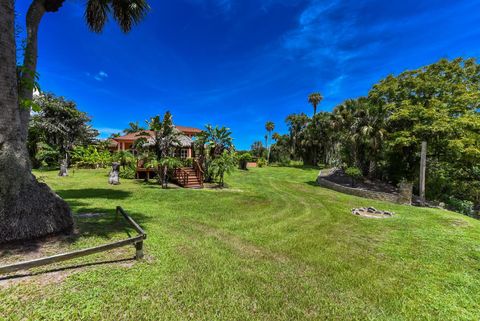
pixel 181 176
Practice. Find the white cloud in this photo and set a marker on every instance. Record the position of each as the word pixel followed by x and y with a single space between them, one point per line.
pixel 99 76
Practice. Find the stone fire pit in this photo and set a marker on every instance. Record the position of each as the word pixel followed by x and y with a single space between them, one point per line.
pixel 371 212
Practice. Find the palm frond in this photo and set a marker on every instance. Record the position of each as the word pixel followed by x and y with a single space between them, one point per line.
pixel 128 13
pixel 96 14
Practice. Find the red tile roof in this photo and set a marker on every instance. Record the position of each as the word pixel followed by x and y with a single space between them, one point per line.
pixel 188 130
pixel 137 135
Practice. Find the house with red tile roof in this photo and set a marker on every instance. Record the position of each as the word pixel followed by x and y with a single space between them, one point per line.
pixel 186 138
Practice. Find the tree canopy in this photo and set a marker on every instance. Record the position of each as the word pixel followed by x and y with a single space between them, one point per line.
pixel 381 133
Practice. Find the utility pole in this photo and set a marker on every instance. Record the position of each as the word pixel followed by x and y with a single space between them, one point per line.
pixel 423 166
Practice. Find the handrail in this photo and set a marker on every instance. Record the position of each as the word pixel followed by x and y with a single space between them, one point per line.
pixel 198 170
pixel 136 240
pixel 183 175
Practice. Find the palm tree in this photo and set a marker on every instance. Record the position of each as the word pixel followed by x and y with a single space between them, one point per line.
pixel 166 138
pixel 296 125
pixel 269 126
pixel 215 140
pixel 315 99
pixel 124 158
pixel 224 164
pixel 211 143
pixel 133 128
pixel 30 209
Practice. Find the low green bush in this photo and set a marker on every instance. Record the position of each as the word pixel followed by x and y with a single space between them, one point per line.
pixel 460 206
pixel 128 172
pixel 355 174
pixel 243 159
pixel 261 162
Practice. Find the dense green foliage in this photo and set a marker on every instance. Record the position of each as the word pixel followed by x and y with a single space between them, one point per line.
pixel 243 159
pixel 165 140
pixel 214 150
pixel 56 129
pixel 271 247
pixel 381 133
pixel 225 163
pixel 354 173
pixel 90 157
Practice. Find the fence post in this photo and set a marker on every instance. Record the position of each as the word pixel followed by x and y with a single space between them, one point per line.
pixel 423 166
pixel 139 250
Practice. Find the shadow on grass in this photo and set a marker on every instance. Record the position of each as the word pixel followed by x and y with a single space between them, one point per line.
pixel 312 183
pixel 104 193
pixel 66 268
pixel 303 167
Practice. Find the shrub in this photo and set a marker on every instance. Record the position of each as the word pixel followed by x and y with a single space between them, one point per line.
pixel 355 174
pixel 90 157
pixel 461 206
pixel 187 162
pixel 243 160
pixel 47 155
pixel 261 162
pixel 224 164
pixel 128 172
pixel 125 158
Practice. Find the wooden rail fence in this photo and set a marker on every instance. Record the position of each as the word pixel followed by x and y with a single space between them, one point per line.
pixel 137 241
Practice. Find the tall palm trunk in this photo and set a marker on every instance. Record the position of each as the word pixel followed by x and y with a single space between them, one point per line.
pixel 34 16
pixel 27 208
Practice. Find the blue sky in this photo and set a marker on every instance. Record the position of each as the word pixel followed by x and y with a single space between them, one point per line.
pixel 240 63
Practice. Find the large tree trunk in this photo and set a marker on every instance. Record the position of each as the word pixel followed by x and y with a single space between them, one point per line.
pixel 27 208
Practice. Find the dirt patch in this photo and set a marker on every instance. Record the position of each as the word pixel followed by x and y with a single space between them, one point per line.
pixel 459 223
pixel 91 215
pixel 57 273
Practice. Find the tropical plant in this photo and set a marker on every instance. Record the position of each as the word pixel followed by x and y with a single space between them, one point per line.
pixel 60 125
pixel 223 164
pixel 129 171
pixel 354 173
pixel 46 155
pixel 257 149
pixel 90 157
pixel 210 144
pixel 243 159
pixel 269 126
pixel 315 99
pixel 133 127
pixel 380 134
pixel 170 163
pixel 215 139
pixel 125 158
pixel 164 141
pixel 261 162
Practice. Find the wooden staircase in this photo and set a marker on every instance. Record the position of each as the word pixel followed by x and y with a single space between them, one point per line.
pixel 188 177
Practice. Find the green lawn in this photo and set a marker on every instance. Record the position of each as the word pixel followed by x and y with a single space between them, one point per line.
pixel 271 247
